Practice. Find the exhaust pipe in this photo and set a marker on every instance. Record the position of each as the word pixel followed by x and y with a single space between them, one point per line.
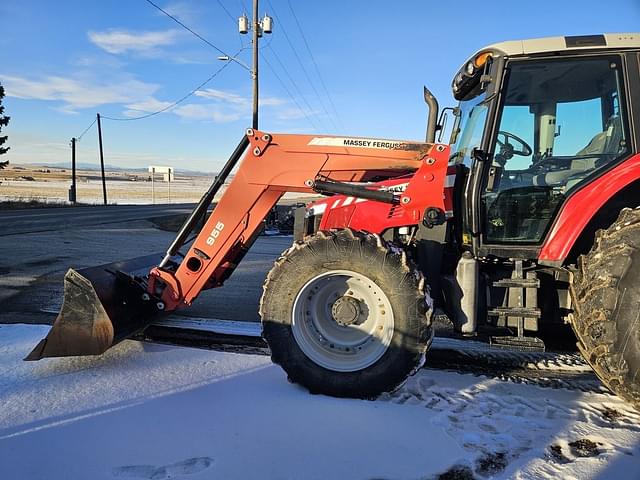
pixel 432 118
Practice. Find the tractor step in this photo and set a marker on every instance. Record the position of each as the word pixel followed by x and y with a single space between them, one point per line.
pixel 515 312
pixel 517 283
pixel 520 344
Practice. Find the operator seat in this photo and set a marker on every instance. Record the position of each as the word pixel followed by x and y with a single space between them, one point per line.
pixel 603 146
pixel 606 142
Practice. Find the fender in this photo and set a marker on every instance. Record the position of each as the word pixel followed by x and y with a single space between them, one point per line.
pixel 579 209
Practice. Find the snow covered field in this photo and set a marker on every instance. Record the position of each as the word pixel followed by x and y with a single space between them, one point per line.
pixel 145 411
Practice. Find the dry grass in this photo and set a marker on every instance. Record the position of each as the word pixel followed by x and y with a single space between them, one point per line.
pixel 31 203
pixel 24 186
pixel 28 184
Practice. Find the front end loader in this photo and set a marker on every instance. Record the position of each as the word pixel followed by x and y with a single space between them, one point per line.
pixel 522 226
pixel 106 304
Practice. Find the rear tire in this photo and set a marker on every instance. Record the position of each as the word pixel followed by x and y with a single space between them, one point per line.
pixel 345 315
pixel 606 301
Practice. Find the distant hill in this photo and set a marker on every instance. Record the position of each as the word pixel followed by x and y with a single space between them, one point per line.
pixel 112 168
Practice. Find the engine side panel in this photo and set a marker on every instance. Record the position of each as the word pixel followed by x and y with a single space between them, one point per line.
pixel 427 188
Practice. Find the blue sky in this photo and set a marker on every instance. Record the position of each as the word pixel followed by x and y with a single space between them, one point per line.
pixel 61 62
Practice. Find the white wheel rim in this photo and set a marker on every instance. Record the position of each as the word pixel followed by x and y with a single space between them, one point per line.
pixel 356 300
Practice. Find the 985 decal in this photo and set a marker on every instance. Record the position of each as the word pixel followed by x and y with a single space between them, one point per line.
pixel 215 233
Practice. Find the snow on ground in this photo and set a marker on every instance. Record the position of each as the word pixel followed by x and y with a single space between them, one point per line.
pixel 145 411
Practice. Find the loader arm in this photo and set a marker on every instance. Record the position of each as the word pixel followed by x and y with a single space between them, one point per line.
pixel 109 303
pixel 272 166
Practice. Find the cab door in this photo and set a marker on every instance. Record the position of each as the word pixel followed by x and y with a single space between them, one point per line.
pixel 562 121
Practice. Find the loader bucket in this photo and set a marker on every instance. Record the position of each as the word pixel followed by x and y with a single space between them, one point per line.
pixel 102 306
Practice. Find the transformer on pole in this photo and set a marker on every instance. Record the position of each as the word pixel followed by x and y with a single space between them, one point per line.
pixel 258 27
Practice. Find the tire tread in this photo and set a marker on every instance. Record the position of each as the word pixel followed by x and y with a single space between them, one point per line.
pixel 597 295
pixel 347 243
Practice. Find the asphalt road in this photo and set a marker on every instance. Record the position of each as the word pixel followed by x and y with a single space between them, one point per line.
pixel 33 264
pixel 40 245
pixel 35 220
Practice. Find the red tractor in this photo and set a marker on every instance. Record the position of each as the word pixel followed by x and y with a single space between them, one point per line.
pixel 526 221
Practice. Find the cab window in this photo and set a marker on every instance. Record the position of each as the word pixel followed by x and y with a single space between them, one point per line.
pixel 562 122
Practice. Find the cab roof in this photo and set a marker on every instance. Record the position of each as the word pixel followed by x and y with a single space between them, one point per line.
pixel 559 44
pixel 469 74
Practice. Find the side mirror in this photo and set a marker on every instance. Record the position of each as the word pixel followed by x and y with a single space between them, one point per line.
pixel 479 154
pixel 442 121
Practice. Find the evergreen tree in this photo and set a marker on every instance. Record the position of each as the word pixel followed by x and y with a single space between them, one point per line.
pixel 4 121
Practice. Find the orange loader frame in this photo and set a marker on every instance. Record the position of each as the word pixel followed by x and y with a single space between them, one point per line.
pixel 106 304
pixel 277 164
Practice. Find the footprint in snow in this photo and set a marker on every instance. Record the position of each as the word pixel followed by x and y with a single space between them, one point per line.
pixel 151 472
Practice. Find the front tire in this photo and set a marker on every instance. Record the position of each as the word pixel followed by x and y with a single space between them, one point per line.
pixel 606 301
pixel 345 315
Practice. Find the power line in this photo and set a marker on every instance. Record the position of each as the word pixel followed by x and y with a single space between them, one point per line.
pixel 192 92
pixel 177 102
pixel 304 70
pixel 187 28
pixel 233 19
pixel 295 85
pixel 288 91
pixel 85 130
pixel 243 6
pixel 267 44
pixel 304 38
pixel 227 11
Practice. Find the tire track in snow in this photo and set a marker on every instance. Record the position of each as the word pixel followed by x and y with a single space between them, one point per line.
pixel 500 427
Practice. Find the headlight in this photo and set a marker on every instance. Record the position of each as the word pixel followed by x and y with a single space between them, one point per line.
pixel 470 69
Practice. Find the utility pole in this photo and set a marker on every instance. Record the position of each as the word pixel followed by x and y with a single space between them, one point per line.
pixel 258 27
pixel 153 186
pixel 72 190
pixel 254 70
pixel 104 183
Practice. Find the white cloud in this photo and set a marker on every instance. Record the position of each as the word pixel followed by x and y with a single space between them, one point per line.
pixel 66 109
pixel 187 59
pixel 272 102
pixel 182 11
pixel 290 113
pixel 78 93
pixel 31 148
pixel 225 106
pixel 222 96
pixel 209 112
pixel 235 99
pixel 122 41
pixel 98 61
pixel 148 105
pixel 75 94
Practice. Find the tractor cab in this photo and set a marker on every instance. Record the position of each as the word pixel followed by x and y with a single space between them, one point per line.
pixel 543 128
pixel 537 121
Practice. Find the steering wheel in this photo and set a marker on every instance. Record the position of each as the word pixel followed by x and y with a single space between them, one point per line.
pixel 507 150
